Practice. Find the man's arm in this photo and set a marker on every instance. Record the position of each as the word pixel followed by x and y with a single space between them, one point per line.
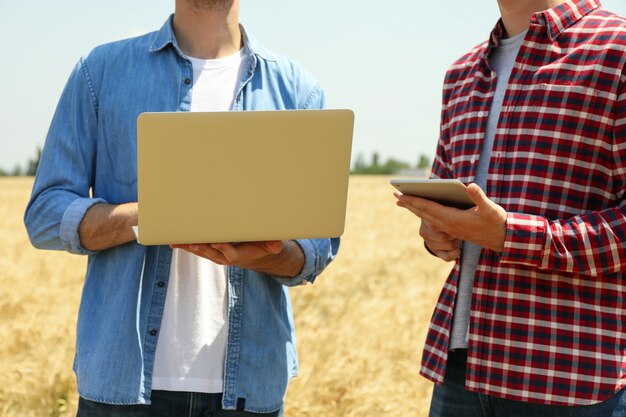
pixel 105 226
pixel 61 192
pixel 589 244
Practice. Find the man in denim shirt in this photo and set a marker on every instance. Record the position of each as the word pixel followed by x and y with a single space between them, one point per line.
pixel 162 331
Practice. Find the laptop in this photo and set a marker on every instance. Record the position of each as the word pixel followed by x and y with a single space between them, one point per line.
pixel 207 177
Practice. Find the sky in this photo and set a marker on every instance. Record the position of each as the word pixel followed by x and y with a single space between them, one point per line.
pixel 385 60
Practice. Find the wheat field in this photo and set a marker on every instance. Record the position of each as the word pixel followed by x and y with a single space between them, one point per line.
pixel 360 327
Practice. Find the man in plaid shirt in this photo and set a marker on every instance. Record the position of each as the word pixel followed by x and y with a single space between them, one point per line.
pixel 530 321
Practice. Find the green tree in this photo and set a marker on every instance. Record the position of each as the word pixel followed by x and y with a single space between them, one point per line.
pixel 17 171
pixel 424 162
pixel 359 164
pixel 391 166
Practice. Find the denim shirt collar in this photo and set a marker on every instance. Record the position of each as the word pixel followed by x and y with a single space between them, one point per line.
pixel 165 36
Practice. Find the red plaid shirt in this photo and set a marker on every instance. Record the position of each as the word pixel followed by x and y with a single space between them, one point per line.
pixel 548 316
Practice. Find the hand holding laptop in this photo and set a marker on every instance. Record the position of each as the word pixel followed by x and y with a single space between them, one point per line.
pixel 274 257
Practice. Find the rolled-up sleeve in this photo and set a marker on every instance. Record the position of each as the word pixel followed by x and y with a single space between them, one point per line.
pixel 61 192
pixel 318 254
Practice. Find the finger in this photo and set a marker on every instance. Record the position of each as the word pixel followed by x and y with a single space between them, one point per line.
pixel 408 204
pixel 208 252
pixel 423 208
pixel 248 251
pixel 186 247
pixel 231 253
pixel 272 246
pixel 477 195
pixel 492 210
pixel 446 246
pixel 203 251
pixel 448 256
pixel 437 220
pixel 429 232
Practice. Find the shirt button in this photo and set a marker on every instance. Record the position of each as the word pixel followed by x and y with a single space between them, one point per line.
pixel 160 284
pixel 481 114
pixel 153 332
pixel 187 81
pixel 473 159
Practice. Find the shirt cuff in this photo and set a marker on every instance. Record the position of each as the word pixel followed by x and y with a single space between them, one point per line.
pixel 525 239
pixel 308 272
pixel 72 217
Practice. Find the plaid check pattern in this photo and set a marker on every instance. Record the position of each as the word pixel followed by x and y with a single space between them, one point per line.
pixel 547 323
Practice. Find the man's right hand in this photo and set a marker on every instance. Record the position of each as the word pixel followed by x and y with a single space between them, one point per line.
pixel 105 226
pixel 439 243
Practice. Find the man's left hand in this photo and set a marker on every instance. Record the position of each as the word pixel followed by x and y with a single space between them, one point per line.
pixel 484 224
pixel 277 257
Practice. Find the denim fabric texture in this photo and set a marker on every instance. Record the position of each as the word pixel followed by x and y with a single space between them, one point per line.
pixel 168 404
pixel 90 156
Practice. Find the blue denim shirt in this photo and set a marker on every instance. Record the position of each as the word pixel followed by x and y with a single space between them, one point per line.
pixel 90 157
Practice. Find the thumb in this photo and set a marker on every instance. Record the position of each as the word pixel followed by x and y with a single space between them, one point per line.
pixel 477 195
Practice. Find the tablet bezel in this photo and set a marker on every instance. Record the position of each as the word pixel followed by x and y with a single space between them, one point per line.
pixel 448 192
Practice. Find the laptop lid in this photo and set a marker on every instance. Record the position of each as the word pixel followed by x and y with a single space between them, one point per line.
pixel 206 177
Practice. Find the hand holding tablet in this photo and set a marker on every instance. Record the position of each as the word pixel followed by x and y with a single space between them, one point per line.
pixel 447 192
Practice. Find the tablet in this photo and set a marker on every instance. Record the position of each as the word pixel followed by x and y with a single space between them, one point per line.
pixel 443 191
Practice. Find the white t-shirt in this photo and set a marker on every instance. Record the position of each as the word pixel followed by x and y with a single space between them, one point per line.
pixel 194 328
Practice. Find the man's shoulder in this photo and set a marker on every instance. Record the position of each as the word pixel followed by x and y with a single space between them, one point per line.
pixel 123 47
pixel 279 65
pixel 609 19
pixel 287 67
pixel 603 26
pixel 600 30
pixel 283 76
pixel 609 29
pixel 468 60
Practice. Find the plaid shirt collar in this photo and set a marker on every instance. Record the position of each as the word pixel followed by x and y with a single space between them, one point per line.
pixel 556 19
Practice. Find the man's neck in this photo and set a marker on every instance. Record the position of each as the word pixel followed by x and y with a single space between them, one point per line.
pixel 516 13
pixel 207 34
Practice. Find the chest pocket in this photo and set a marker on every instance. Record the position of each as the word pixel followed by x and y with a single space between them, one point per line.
pixel 563 101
